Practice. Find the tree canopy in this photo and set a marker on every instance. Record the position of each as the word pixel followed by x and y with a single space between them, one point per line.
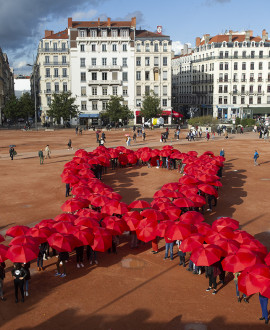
pixel 151 107
pixel 12 110
pixel 62 106
pixel 116 110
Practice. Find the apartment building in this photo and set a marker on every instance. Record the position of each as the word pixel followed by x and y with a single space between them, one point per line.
pixel 6 82
pixel 226 76
pixel 153 55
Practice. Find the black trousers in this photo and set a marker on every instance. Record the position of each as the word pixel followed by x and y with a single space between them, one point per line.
pixel 79 253
pixel 18 284
pixel 212 281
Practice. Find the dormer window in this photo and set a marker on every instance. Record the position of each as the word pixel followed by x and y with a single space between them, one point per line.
pixel 82 33
pixel 104 33
pixel 124 33
pixel 224 44
pixel 114 33
pixel 93 33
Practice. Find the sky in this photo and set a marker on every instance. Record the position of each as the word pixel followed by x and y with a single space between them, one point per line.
pixel 22 22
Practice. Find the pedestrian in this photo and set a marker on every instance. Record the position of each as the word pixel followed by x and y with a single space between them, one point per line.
pixel 80 131
pixel 103 136
pixel 97 136
pixel 158 161
pixel 222 152
pixel 2 277
pixel 226 134
pixel 47 152
pixel 26 267
pixel 134 137
pixel 144 135
pixel 41 254
pixel 134 240
pixel 91 255
pixel 155 245
pixel 101 142
pixel 212 272
pixel 76 130
pixel 11 152
pixel 255 157
pixel 19 274
pixel 264 303
pixel 79 256
pixel 62 259
pixel 168 246
pixel 41 156
pixel 69 144
pixel 128 140
pixel 182 255
pixel 67 189
pixel 177 134
pixel 235 278
pixel 207 136
pixel 134 128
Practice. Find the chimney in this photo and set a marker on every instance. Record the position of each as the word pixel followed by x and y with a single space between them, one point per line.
pixel 198 41
pixel 48 33
pixel 70 22
pixel 264 35
pixel 133 22
pixel 230 35
pixel 247 36
pixel 109 22
pixel 98 22
pixel 206 38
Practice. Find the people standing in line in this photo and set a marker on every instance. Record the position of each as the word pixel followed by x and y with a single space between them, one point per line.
pixel 11 152
pixel 212 272
pixel 235 278
pixel 168 246
pixel 47 152
pixel 182 255
pixel 264 303
pixel 62 259
pixel 26 267
pixel 41 156
pixel 69 144
pixel 19 274
pixel 41 254
pixel 2 277
pixel 79 256
pixel 67 189
pixel 91 255
pixel 255 157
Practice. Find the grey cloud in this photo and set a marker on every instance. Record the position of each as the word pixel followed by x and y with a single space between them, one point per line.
pixel 213 2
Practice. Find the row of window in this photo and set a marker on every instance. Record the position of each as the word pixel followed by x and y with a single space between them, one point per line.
pixel 164 102
pixel 224 89
pixel 56 87
pixel 156 61
pixel 157 90
pixel 243 100
pixel 147 48
pixel 104 76
pixel 244 54
pixel 147 75
pixel 56 46
pixel 115 91
pixel 104 33
pixel 55 59
pixel 104 47
pixel 225 66
pixel 56 73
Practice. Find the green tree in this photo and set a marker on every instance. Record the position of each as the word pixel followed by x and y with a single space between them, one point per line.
pixel 63 106
pixel 12 109
pixel 26 106
pixel 151 107
pixel 116 110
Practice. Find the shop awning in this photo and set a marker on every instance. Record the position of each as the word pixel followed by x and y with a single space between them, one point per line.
pixel 258 110
pixel 166 113
pixel 138 113
pixel 89 115
pixel 177 114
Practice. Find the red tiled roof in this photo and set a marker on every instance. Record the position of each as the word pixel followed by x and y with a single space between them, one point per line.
pixel 58 35
pixel 145 34
pixel 225 37
pixel 102 24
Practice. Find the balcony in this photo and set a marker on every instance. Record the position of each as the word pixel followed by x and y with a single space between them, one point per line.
pixel 105 82
pixel 56 63
pixel 98 97
pixel 52 50
pixel 104 67
pixel 47 91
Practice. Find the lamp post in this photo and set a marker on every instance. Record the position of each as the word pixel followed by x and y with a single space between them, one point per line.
pixel 35 96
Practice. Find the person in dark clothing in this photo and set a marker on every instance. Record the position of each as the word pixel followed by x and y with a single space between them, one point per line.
pixel 19 274
pixel 91 255
pixel 62 258
pixel 182 255
pixel 264 303
pixel 76 130
pixel 103 136
pixel 2 277
pixel 11 152
pixel 27 278
pixel 67 189
pixel 97 136
pixel 41 254
pixel 69 144
pixel 212 272
pixel 79 256
pixel 144 135
pixel 134 136
pixel 163 162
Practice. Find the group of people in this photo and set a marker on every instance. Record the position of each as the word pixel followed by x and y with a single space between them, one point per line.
pixel 47 153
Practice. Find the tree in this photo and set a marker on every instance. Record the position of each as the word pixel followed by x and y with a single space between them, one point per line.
pixel 115 110
pixel 151 107
pixel 26 106
pixel 12 110
pixel 63 106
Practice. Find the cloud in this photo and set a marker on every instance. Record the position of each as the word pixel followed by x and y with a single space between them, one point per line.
pixel 138 14
pixel 177 46
pixel 82 15
pixel 213 2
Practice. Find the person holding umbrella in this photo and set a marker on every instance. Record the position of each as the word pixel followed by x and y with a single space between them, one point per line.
pixel 91 255
pixel 62 259
pixel 212 272
pixel 235 278
pixel 2 277
pixel 26 267
pixel 264 303
pixel 19 274
pixel 168 246
pixel 79 256
pixel 181 254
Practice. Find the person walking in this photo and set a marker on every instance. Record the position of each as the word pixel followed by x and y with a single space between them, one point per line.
pixel 143 136
pixel 67 189
pixel 19 274
pixel 97 137
pixel 103 136
pixel 255 157
pixel 76 130
pixel 41 156
pixel 26 267
pixel 222 152
pixel 41 254
pixel 69 144
pixel 264 303
pixel 134 137
pixel 62 259
pixel 11 152
pixel 47 152
pixel 2 277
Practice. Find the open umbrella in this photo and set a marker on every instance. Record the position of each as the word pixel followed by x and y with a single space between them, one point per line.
pixel 22 240
pixel 1 238
pixel 87 222
pixel 183 202
pixel 257 247
pixel 208 189
pixel 98 200
pixel 89 213
pixel 171 186
pixel 225 222
pixel 203 228
pixel 41 234
pixel 228 246
pixel 86 237
pixel 73 204
pixel 152 214
pixel 162 227
pixel 197 200
pixel 102 240
pixel 22 253
pixel 3 251
pixel 206 255
pixel 115 225
pixel 179 231
pixel 242 237
pixel 192 242
pixel 139 204
pixel 172 212
pixel 17 231
pixel 62 242
pixel 63 227
pixel 192 217
pixel 187 179
pixel 66 217
pixel 146 230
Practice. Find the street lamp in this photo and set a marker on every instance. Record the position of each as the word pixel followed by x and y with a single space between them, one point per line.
pixel 35 96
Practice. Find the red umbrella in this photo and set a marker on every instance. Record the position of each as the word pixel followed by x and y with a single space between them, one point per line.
pixel 210 190
pixel 242 236
pixel 66 217
pixel 23 239
pixel 183 202
pixel 187 179
pixel 98 200
pixel 243 258
pixel 204 228
pixel 192 242
pixel 146 230
pixel 111 194
pixel 267 259
pixel 254 279
pixel 139 204
pixel 114 206
pixel 145 156
pixel 171 186
pixel 70 178
pixel 102 240
pixel 207 178
pixel 64 227
pixel 206 255
pixel 3 251
pixel 229 246
pixel 82 191
pixel 192 217
pixel 115 225
pixel 152 214
pixel 188 190
pixel 162 206
pixel 215 184
pixel 86 237
pixel 172 212
pixel 162 227
pixel 197 200
pixel 74 204
pixel 22 253
pixel 162 193
pixel 46 223
pixel 132 158
pixel 225 222
pixel 226 233
pixel 165 153
pixel 174 194
pixel 41 234
pixel 257 247
pixel 62 242
pixel 87 222
pixel 17 231
pixel 1 238
pixel 179 231
pixel 89 213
